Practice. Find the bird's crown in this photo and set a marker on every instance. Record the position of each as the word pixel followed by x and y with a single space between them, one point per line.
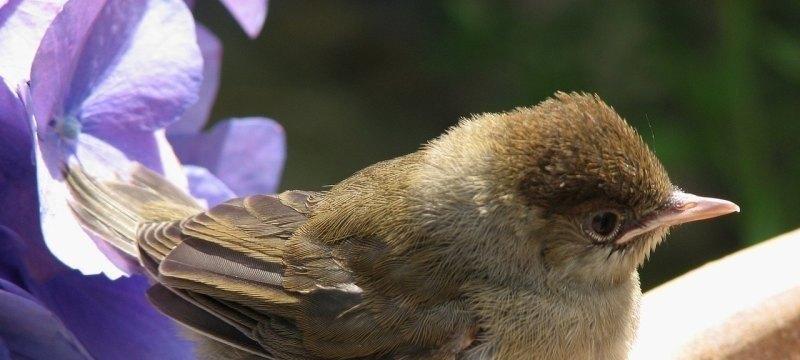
pixel 573 148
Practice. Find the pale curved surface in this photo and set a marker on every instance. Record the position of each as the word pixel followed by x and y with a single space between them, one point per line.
pixel 743 306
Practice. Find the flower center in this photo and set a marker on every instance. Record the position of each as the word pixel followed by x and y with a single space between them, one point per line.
pixel 67 126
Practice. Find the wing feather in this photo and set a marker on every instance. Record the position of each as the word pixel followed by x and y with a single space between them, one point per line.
pixel 227 261
pixel 195 318
pixel 232 262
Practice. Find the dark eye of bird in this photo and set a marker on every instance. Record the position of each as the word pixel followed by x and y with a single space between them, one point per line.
pixel 603 225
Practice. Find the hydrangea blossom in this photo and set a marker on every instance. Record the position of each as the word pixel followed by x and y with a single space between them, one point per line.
pixel 107 77
pixel 48 311
pixel 105 80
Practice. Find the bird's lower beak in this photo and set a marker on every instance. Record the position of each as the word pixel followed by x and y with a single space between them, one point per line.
pixel 682 208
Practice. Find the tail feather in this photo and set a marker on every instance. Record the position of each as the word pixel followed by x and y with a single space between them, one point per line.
pixel 114 210
pixel 143 177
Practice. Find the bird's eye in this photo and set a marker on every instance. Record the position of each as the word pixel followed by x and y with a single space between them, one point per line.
pixel 603 225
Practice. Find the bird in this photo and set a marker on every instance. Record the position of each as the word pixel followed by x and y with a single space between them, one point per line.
pixel 513 235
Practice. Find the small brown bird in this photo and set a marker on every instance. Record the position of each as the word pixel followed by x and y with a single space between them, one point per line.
pixel 512 236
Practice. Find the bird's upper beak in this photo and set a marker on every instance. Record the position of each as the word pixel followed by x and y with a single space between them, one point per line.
pixel 682 208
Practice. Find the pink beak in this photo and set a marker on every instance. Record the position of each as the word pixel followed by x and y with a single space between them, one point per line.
pixel 685 208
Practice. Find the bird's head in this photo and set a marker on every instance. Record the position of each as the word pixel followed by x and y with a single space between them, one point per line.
pixel 566 187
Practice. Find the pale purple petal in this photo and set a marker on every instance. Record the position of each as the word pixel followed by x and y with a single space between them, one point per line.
pixel 22 25
pixel 246 154
pixel 150 149
pixel 253 155
pixel 113 319
pixel 196 116
pixel 249 13
pixel 172 168
pixel 64 237
pixel 203 185
pixel 30 331
pixel 131 65
pixel 62 234
pixel 120 259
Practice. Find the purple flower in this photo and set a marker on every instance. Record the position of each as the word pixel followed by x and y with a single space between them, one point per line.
pixel 48 311
pixel 107 77
pixel 204 186
pixel 27 328
pixel 247 154
pixel 85 79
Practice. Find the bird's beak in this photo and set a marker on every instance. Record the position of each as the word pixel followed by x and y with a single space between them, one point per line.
pixel 682 208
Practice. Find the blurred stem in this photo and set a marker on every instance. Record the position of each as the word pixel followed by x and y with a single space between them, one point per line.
pixel 741 95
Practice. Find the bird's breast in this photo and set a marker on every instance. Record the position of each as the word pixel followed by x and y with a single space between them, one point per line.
pixel 540 323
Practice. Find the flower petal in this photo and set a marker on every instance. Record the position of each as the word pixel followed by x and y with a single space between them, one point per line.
pixel 106 316
pixel 16 159
pixel 246 154
pixel 27 329
pixel 117 64
pixel 253 155
pixel 150 149
pixel 249 13
pixel 196 116
pixel 64 237
pixel 205 186
pixel 62 234
pixel 113 320
pixel 30 331
pixel 23 25
pixel 12 267
pixel 13 122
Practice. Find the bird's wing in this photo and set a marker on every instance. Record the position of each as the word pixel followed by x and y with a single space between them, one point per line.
pixel 356 311
pixel 231 262
pixel 245 268
pixel 227 262
pixel 232 251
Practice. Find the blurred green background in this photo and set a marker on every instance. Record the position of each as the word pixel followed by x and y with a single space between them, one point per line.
pixel 712 86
